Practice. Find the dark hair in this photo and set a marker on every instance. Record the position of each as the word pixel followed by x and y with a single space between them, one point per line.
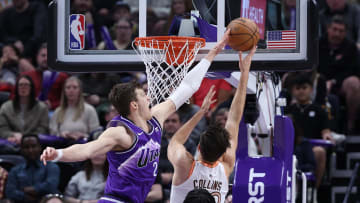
pixel 199 196
pixel 214 142
pixel 42 46
pixel 29 136
pixel 32 96
pixel 88 168
pixel 17 51
pixel 121 4
pixel 302 79
pixel 122 94
pixel 338 19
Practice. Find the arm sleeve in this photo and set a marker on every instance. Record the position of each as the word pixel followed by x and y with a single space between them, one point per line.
pixel 190 83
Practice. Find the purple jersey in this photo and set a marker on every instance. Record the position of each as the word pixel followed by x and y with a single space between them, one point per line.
pixel 133 172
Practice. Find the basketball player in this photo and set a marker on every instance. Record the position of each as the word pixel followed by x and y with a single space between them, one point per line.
pixel 217 147
pixel 132 140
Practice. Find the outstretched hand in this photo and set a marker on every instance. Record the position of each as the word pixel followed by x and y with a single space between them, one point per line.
pixel 48 154
pixel 244 64
pixel 222 43
pixel 208 100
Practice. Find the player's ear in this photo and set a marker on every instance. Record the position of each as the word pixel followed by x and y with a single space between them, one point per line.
pixel 134 104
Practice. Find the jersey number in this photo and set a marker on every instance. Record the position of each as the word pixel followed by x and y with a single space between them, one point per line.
pixel 155 165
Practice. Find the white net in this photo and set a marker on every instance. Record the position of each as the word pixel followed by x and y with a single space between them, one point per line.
pixel 167 61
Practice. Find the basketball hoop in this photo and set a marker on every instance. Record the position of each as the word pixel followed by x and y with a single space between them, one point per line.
pixel 167 60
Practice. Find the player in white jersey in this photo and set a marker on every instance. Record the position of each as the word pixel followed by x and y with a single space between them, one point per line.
pixel 217 147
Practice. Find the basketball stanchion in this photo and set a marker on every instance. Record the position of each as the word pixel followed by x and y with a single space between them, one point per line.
pixel 167 60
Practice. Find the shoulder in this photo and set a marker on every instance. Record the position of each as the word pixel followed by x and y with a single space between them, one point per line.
pixel 56 112
pixel 42 105
pixel 62 77
pixel 7 105
pixel 114 132
pixel 79 175
pixel 89 107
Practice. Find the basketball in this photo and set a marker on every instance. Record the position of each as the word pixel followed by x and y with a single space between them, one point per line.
pixel 244 34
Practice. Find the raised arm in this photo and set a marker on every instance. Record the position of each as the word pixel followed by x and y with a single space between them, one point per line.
pixel 112 138
pixel 177 153
pixel 190 83
pixel 237 109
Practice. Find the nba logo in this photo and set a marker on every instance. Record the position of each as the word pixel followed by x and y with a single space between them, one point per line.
pixel 77 32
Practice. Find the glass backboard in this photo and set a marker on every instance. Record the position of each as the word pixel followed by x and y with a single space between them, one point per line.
pixel 83 38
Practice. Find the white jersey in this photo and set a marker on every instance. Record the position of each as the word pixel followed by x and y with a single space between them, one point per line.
pixel 203 176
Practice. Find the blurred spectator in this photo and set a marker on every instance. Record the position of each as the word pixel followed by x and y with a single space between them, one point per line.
pixel 320 96
pixel 88 185
pixel 171 125
pixel 53 198
pixel 351 14
pixel 123 36
pixel 121 10
pixel 73 119
pixel 223 92
pixel 178 8
pixel 11 61
pixel 221 116
pixel 96 86
pixel 199 195
pixel 48 84
pixel 24 24
pixel 3 177
pixel 288 14
pixel 106 113
pixel 24 114
pixel 103 8
pixel 30 181
pixel 339 63
pixel 8 70
pixel 303 149
pixel 92 20
pixel 154 24
pixel 156 193
pixel 312 119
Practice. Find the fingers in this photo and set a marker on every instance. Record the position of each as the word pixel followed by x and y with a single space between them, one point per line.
pixel 226 35
pixel 252 51
pixel 210 94
pixel 47 154
pixel 240 57
pixel 208 99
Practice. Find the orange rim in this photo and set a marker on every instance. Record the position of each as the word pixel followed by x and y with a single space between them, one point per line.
pixel 177 41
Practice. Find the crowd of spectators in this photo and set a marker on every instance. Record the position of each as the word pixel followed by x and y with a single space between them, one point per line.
pixel 37 102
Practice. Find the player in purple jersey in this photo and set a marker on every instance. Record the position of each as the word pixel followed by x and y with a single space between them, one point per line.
pixel 132 140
